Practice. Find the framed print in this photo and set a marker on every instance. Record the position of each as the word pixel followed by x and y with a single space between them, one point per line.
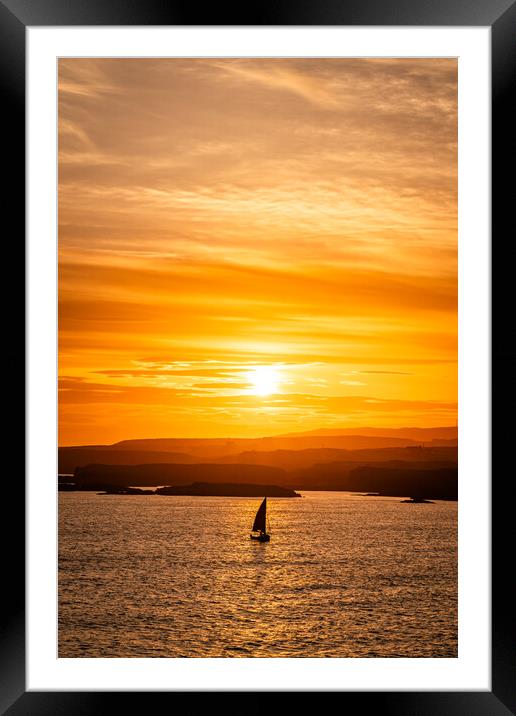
pixel 259 452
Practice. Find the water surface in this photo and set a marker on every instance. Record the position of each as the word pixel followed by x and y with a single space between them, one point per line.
pixel 343 576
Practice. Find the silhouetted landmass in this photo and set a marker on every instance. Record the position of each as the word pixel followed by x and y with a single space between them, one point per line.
pixel 104 487
pixel 175 474
pixel 417 501
pixel 343 438
pixel 335 475
pixel 211 449
pixel 127 491
pixel 300 459
pixel 419 462
pixel 417 434
pixel 424 480
pixel 228 490
pixel 405 479
pixel 233 489
pixel 419 484
pixel 72 457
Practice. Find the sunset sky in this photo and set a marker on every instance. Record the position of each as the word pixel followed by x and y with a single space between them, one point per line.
pixel 256 246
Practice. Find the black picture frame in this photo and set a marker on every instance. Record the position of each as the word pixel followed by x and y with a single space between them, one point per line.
pixel 500 16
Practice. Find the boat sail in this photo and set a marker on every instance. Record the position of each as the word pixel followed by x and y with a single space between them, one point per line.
pixel 259 531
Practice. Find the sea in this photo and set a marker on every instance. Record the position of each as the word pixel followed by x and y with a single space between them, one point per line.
pixel 344 575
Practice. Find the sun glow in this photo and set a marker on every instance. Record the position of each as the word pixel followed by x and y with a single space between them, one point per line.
pixel 278 290
pixel 264 380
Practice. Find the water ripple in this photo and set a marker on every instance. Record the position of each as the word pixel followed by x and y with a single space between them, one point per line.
pixel 343 576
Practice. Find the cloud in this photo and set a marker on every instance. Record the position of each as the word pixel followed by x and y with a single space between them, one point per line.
pixel 387 372
pixel 300 211
pixel 79 392
pixel 279 76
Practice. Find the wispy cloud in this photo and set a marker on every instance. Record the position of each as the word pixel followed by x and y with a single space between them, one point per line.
pixel 279 76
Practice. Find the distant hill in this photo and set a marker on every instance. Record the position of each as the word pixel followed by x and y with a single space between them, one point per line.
pixel 227 490
pixel 432 479
pixel 406 479
pixel 295 459
pixel 195 450
pixel 432 484
pixel 176 474
pixel 218 447
pixel 219 489
pixel 415 434
pixel 71 457
pixel 336 475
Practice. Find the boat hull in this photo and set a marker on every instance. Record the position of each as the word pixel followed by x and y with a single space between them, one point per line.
pixel 261 538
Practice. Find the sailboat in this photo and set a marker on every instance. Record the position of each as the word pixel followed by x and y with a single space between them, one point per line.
pixel 259 531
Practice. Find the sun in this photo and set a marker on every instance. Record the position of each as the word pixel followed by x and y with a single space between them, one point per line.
pixel 264 380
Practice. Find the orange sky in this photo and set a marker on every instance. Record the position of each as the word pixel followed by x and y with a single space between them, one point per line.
pixel 220 215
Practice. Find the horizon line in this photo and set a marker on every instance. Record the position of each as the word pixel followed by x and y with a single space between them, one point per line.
pixel 306 433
